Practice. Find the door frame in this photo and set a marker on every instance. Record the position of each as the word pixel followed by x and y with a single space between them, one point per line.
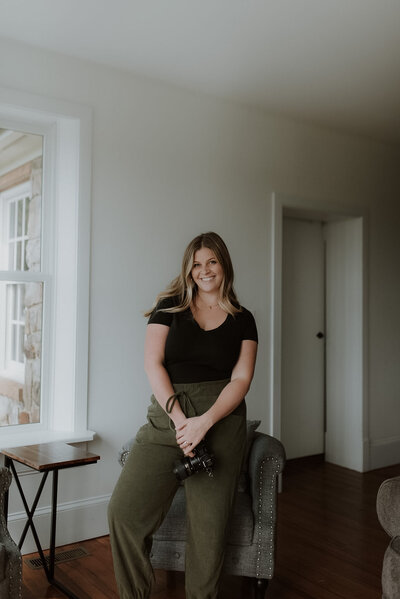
pixel 280 205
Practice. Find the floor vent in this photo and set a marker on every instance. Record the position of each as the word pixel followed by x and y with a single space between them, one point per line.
pixel 63 556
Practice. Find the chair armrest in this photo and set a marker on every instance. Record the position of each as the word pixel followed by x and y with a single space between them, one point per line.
pixel 5 482
pixel 10 558
pixel 267 458
pixel 124 451
pixel 266 462
pixel 5 479
pixel 388 506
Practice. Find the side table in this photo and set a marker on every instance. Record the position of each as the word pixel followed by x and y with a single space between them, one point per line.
pixel 45 458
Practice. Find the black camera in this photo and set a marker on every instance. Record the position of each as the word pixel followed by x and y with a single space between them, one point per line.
pixel 201 461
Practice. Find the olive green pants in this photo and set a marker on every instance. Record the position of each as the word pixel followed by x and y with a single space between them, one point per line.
pixel 147 485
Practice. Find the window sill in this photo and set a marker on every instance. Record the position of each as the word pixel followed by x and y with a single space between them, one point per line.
pixel 35 437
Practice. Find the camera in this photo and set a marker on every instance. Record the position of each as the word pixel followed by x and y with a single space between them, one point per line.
pixel 203 460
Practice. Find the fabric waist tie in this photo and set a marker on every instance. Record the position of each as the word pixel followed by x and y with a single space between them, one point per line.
pixel 182 397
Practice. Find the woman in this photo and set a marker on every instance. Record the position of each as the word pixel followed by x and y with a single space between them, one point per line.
pixel 200 352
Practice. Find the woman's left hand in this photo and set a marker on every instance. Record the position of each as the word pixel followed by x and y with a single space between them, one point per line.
pixel 190 433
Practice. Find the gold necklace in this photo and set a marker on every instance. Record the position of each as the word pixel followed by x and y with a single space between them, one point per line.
pixel 205 307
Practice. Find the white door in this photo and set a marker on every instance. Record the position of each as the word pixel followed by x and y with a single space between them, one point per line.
pixel 344 300
pixel 303 314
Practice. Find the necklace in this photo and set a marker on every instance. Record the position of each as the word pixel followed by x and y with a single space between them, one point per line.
pixel 210 307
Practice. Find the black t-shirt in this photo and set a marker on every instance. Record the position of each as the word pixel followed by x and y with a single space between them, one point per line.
pixel 192 354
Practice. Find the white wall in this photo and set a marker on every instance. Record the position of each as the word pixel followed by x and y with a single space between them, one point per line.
pixel 168 164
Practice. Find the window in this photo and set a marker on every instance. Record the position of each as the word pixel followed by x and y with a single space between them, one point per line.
pixel 17 218
pixel 45 172
pixel 20 303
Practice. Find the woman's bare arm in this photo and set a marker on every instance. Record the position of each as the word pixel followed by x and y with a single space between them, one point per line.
pixel 154 353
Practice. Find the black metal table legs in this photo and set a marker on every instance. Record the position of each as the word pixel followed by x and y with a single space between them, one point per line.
pixel 48 565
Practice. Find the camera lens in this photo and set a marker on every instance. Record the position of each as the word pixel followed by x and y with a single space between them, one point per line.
pixel 201 461
pixel 181 469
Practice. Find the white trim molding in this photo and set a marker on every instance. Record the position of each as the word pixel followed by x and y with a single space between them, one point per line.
pixel 67 131
pixel 281 205
pixel 384 452
pixel 82 519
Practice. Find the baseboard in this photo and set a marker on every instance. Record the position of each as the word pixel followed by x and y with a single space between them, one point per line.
pixel 76 521
pixel 384 452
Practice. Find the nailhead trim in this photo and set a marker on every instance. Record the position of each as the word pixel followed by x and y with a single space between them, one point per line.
pixel 270 500
pixel 16 583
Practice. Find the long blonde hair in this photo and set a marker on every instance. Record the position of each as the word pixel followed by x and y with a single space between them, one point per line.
pixel 185 289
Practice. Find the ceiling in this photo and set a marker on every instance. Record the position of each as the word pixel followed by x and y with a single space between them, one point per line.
pixel 335 63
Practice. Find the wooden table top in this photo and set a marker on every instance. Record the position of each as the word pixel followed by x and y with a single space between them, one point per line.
pixel 48 456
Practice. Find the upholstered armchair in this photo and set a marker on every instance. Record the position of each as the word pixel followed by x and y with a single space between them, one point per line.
pixel 252 540
pixel 388 509
pixel 10 556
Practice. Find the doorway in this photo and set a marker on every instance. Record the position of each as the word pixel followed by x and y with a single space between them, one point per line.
pixel 303 375
pixel 318 334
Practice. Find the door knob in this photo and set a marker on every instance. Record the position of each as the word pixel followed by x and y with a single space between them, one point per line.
pixel 320 335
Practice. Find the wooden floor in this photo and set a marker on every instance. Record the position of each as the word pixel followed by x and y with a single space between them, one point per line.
pixel 330 544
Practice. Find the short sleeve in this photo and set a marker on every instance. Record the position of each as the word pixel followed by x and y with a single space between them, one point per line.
pixel 160 317
pixel 249 327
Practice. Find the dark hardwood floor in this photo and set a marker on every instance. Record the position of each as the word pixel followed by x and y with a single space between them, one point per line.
pixel 330 544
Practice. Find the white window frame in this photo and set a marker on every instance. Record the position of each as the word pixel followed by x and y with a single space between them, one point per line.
pixel 13 368
pixel 12 195
pixel 8 366
pixel 65 266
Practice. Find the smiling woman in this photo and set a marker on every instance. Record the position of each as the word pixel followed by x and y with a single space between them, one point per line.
pixel 200 353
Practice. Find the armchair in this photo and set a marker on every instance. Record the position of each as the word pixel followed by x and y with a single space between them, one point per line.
pixel 388 509
pixel 10 555
pixel 251 543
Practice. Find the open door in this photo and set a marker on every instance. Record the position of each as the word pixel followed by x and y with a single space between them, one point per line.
pixel 303 316
pixel 318 400
pixel 344 343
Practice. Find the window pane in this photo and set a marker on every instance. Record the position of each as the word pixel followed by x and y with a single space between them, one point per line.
pixel 11 256
pixel 13 301
pixel 13 346
pixel 18 257
pixel 21 158
pixel 24 254
pixel 27 202
pixel 11 223
pixel 21 307
pixel 21 356
pixel 21 289
pixel 20 212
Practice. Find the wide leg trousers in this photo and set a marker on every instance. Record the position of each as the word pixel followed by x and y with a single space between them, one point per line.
pixel 147 485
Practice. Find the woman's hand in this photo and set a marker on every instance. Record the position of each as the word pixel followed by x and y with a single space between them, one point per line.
pixel 191 432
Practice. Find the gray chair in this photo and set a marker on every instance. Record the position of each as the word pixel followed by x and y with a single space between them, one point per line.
pixel 10 555
pixel 251 544
pixel 388 510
